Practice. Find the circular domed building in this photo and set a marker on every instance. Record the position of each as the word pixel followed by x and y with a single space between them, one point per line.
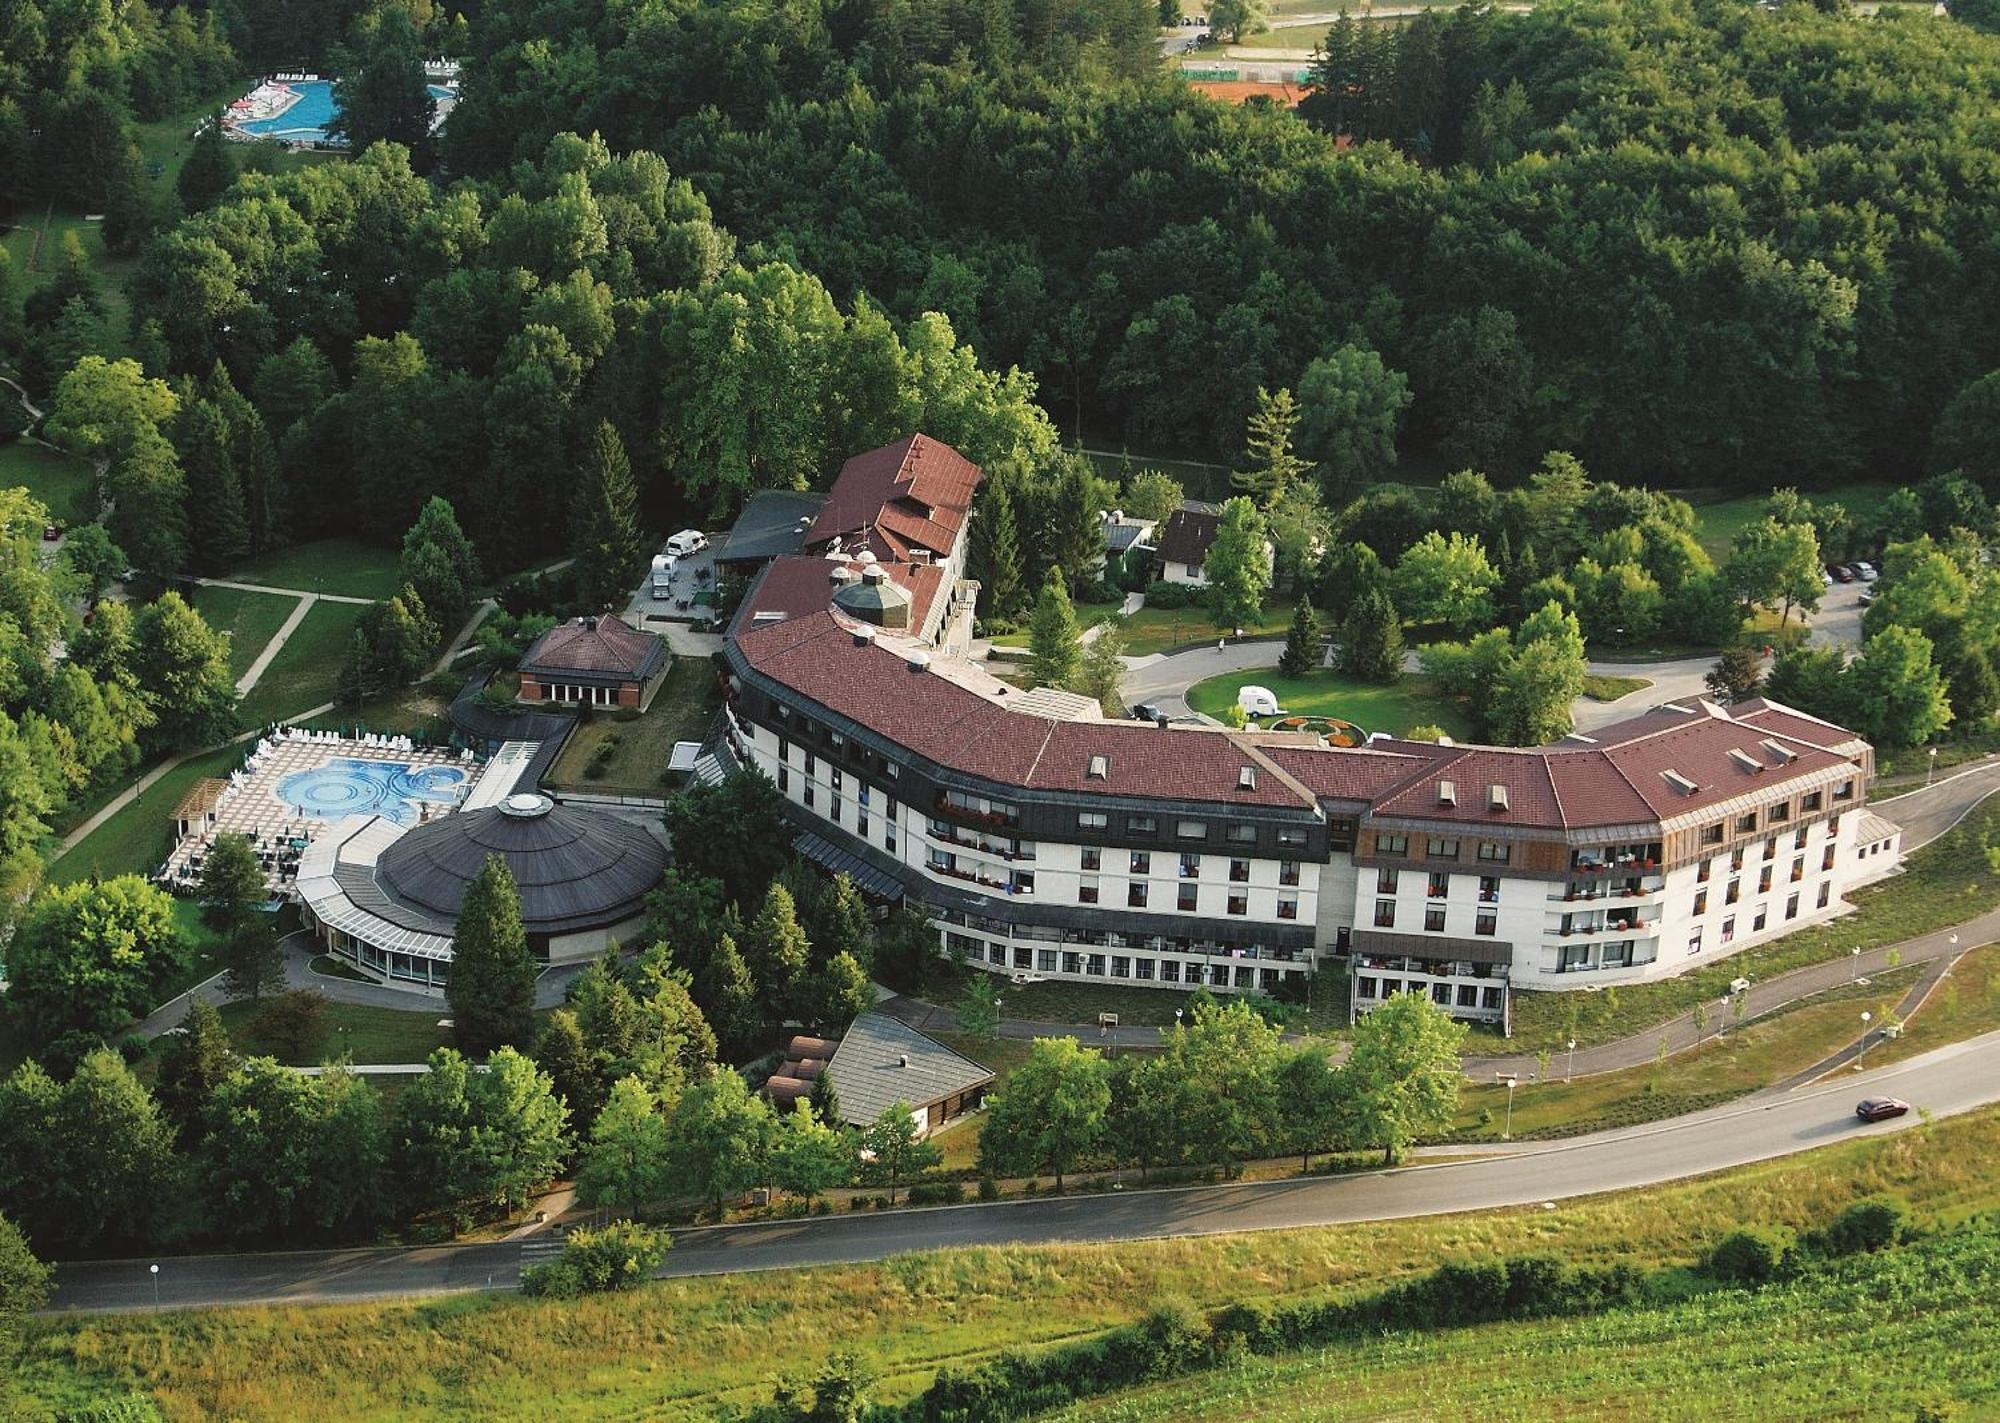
pixel 388 898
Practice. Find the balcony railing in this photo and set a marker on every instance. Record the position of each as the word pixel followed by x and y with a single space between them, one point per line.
pixel 972 877
pixel 945 834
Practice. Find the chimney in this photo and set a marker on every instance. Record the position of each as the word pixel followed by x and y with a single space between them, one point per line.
pixel 918 661
pixel 862 637
pixel 874 573
pixel 902 1059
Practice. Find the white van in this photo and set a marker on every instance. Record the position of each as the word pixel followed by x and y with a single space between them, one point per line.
pixel 687 541
pixel 1258 701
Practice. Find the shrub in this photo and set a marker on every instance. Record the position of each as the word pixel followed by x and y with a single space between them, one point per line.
pixel 936 1193
pixel 1754 1255
pixel 1872 1224
pixel 989 1189
pixel 1162 594
pixel 595 771
pixel 613 1257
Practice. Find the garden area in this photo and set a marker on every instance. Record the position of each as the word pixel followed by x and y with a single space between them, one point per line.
pixel 343 567
pixel 306 671
pixel 250 619
pixel 1396 708
pixel 63 483
pixel 365 1033
pixel 615 753
pixel 1718 520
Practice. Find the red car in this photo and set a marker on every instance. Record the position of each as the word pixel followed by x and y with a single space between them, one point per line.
pixel 1880 1109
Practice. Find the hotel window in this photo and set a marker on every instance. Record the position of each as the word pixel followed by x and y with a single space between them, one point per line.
pixel 784 780
pixel 1239 904
pixel 1190 864
pixel 1573 957
pixel 1700 902
pixel 1746 824
pixel 1781 811
pixel 1093 857
pixel 1392 844
pixel 1145 969
pixel 1811 801
pixel 1191 830
pixel 1142 862
pixel 1799 839
pixel 1072 962
pixel 1845 791
pixel 1734 892
pixel 1694 942
pixel 1290 839
pixel 1135 894
pixel 1489 889
pixel 1437 849
pixel 1826 858
pixel 1288 906
pixel 889 834
pixel 1364 987
pixel 1701 875
pixel 1340 831
pixel 1729 929
pixel 1437 884
pixel 1288 872
pixel 1170 970
pixel 1141 825
pixel 1093 964
pixel 1024 957
pixel 1092 820
pixel 1486 923
pixel 1385 914
pixel 1792 907
pixel 1798 869
pixel 1239 871
pixel 1434 919
pixel 834 773
pixel 1825 890
pixel 784 750
pixel 1021 882
pixel 1764 880
pixel 1385 881
pixel 1832 826
pixel 1186 897
pixel 1086 890
pixel 835 737
pixel 1121 966
pixel 1736 859
pixel 1497 852
pixel 862 793
pixel 1712 834
pixel 1771 847
pixel 860 825
pixel 1757 923
pixel 809 795
pixel 1618 955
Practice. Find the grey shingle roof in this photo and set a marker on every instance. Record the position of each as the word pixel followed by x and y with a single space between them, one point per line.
pixel 869 1076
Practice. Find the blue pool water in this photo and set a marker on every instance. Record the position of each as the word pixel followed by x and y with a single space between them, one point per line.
pixel 350 786
pixel 306 121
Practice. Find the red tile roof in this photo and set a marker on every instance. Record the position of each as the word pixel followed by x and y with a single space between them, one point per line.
pixel 1570 786
pixel 914 494
pixel 796 584
pixel 598 646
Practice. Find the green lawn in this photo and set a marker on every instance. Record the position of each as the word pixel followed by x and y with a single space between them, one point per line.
pixel 1087 615
pixel 345 567
pixel 1610 689
pixel 1945 883
pixel 1153 630
pixel 1963 1005
pixel 682 710
pixel 66 484
pixel 250 619
pixel 1200 479
pixel 137 838
pixel 369 1034
pixel 306 671
pixel 1395 709
pixel 1719 520
pixel 599 1357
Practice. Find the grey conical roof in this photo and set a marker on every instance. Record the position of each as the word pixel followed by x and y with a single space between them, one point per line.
pixel 575 868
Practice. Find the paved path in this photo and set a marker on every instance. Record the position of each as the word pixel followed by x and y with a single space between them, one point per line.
pixel 450 654
pixel 278 640
pixel 284 592
pixel 1952 1079
pixel 1906 1008
pixel 1931 811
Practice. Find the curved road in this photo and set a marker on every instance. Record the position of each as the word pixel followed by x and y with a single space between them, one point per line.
pixel 1952 1079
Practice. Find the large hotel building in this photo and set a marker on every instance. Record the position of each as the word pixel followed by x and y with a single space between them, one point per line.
pixel 1042 838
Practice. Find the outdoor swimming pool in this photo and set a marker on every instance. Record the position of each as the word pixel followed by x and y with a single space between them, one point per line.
pixel 306 120
pixel 352 786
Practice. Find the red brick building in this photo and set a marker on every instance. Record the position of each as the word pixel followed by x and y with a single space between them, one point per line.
pixel 594 661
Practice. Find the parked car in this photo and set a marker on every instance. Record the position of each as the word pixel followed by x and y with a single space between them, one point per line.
pixel 687 541
pixel 1145 711
pixel 1867 597
pixel 1841 573
pixel 1866 572
pixel 1880 1109
pixel 50 533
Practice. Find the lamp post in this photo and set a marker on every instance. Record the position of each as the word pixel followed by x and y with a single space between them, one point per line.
pixel 1930 768
pixel 155 1271
pixel 1570 1070
pixel 1512 1080
pixel 1861 1053
pixel 1854 964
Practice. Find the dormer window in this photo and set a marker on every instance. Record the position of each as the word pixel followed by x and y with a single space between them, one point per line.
pixel 1100 767
pixel 1745 760
pixel 1447 792
pixel 1679 782
pixel 1246 778
pixel 1496 797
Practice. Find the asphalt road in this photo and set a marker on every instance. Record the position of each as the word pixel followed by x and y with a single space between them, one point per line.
pixel 1950 1080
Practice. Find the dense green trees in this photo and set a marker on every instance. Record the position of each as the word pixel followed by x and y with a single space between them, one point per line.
pixel 87 958
pixel 492 987
pixel 1055 651
pixel 1238 566
pixel 234 896
pixel 1051 1115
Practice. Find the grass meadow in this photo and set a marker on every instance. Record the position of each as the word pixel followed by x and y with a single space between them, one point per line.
pixel 250 619
pixel 1411 702
pixel 684 1348
pixel 306 671
pixel 64 483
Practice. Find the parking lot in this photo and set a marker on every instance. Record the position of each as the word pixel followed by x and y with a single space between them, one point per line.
pixel 693 575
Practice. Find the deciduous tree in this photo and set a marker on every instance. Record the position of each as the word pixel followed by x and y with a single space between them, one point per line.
pixel 1238 566
pixel 1051 1113
pixel 1402 1079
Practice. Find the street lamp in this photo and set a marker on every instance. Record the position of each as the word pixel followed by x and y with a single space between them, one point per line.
pixel 1861 1053
pixel 155 1269
pixel 1570 1071
pixel 1512 1080
pixel 1930 769
pixel 1854 964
